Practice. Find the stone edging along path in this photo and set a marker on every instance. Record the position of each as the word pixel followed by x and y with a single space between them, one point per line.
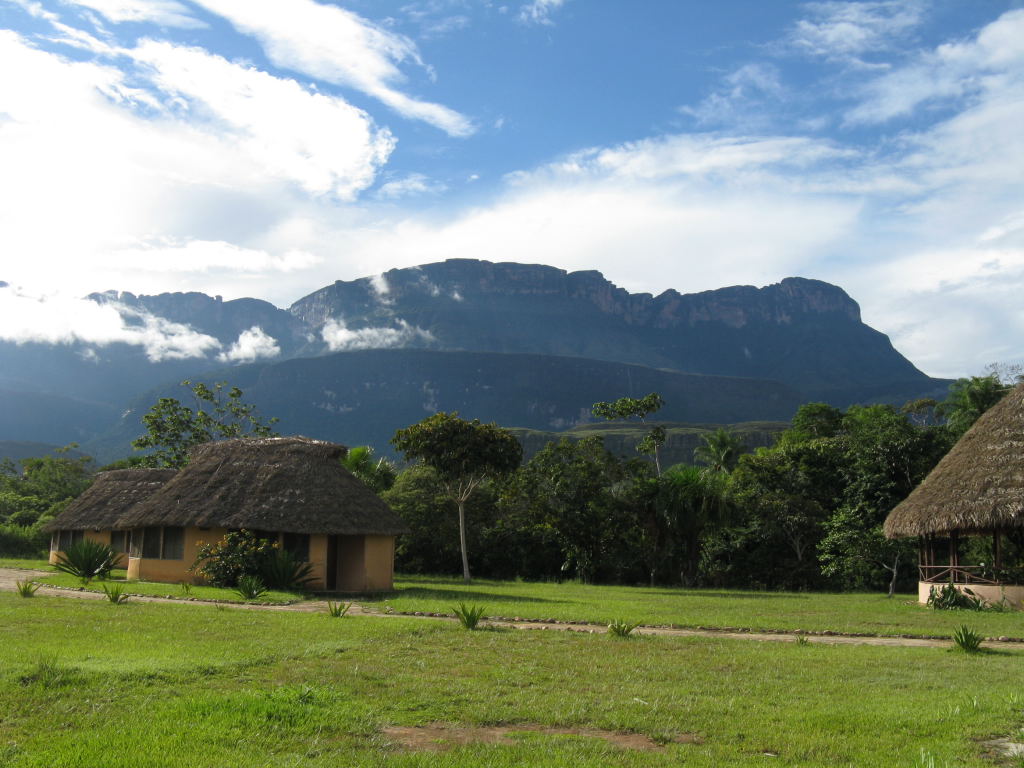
pixel 8 577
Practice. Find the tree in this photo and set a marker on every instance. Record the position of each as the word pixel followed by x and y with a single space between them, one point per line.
pixel 969 398
pixel 692 499
pixel 637 408
pixel 720 450
pixel 464 454
pixel 379 475
pixel 173 429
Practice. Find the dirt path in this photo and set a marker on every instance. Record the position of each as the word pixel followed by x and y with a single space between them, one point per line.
pixel 8 577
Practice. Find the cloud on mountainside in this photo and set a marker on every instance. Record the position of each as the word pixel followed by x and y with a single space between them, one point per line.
pixel 339 338
pixel 253 344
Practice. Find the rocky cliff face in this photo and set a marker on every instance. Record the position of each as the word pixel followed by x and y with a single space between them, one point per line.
pixel 806 333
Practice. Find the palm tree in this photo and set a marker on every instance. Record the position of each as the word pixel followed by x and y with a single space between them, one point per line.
pixel 380 475
pixel 720 451
pixel 692 500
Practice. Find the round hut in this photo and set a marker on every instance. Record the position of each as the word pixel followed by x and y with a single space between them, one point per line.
pixel 94 514
pixel 976 490
pixel 290 489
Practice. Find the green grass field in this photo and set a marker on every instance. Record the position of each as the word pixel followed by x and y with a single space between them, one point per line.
pixel 861 613
pixel 159 589
pixel 88 683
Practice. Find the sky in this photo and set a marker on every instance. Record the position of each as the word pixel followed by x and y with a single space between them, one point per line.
pixel 267 148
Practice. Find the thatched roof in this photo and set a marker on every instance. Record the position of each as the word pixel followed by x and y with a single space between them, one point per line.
pixel 287 484
pixel 109 497
pixel 978 486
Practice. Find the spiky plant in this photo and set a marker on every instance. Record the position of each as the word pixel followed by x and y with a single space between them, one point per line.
pixel 469 616
pixel 622 628
pixel 88 560
pixel 251 587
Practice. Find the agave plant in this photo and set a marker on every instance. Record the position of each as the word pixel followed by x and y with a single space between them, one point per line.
pixel 251 587
pixel 622 628
pixel 115 593
pixel 26 588
pixel 966 639
pixel 88 560
pixel 338 609
pixel 469 616
pixel 282 570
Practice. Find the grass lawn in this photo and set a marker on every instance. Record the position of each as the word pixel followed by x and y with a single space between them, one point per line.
pixel 18 562
pixel 160 589
pixel 869 613
pixel 86 683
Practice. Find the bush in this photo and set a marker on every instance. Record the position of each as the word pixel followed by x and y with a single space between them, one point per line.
pixel 238 554
pixel 23 540
pixel 280 569
pixel 949 598
pixel 88 560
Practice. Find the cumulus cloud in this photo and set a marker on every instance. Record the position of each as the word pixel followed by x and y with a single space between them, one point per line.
pixel 539 11
pixel 340 338
pixel 166 13
pixel 338 46
pixel 64 320
pixel 253 344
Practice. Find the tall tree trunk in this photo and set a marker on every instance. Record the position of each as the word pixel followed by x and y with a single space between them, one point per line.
pixel 895 571
pixel 462 541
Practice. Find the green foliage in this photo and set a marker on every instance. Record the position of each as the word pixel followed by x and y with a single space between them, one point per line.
pixel 463 454
pixel 33 494
pixel 720 450
pixel 966 639
pixel 185 587
pixel 173 429
pixel 969 398
pixel 250 587
pixel 115 593
pixel 237 554
pixel 338 609
pixel 622 628
pixel 469 616
pixel 691 500
pixel 23 540
pixel 26 588
pixel 280 569
pixel 379 475
pixel 636 408
pixel 87 560
pixel 949 598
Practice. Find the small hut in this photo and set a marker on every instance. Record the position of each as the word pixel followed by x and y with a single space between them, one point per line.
pixel 95 513
pixel 977 489
pixel 292 490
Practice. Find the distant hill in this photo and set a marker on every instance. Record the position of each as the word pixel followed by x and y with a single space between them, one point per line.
pixel 364 396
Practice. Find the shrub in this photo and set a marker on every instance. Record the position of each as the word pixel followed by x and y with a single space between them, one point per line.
pixel 23 540
pixel 280 569
pixel 966 639
pixel 949 598
pixel 622 628
pixel 26 588
pixel 88 560
pixel 250 587
pixel 115 593
pixel 339 609
pixel 469 616
pixel 238 554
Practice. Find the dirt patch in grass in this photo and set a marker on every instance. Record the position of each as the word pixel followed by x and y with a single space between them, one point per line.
pixel 439 737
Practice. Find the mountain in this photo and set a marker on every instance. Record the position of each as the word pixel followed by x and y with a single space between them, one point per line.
pixel 362 397
pixel 805 333
pixel 529 346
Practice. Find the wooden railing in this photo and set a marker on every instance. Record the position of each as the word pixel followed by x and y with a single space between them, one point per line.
pixel 958 574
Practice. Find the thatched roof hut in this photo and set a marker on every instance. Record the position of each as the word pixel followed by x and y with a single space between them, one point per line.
pixel 111 494
pixel 284 484
pixel 978 486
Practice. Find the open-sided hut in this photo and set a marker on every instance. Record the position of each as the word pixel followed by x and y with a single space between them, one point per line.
pixel 292 489
pixel 95 513
pixel 977 489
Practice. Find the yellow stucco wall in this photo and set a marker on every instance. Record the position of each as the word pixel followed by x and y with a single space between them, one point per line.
pixel 153 569
pixel 380 563
pixel 1011 594
pixel 318 559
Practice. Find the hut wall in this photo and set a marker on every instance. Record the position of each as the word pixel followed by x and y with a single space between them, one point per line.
pixel 318 559
pixel 1011 594
pixel 380 563
pixel 103 537
pixel 351 564
pixel 155 569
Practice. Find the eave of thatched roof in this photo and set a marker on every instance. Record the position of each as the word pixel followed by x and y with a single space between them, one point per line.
pixel 978 486
pixel 109 497
pixel 287 484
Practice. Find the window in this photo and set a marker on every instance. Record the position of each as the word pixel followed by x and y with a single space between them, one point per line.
pixel 174 543
pixel 67 538
pixel 297 545
pixel 119 541
pixel 151 542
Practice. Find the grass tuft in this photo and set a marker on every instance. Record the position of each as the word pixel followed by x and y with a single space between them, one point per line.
pixel 622 628
pixel 26 588
pixel 251 587
pixel 469 616
pixel 115 593
pixel 338 609
pixel 966 639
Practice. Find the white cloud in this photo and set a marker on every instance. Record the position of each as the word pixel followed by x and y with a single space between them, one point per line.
pixel 849 30
pixel 741 97
pixel 539 11
pixel 60 319
pixel 166 13
pixel 409 186
pixel 198 256
pixel 994 58
pixel 335 45
pixel 253 344
pixel 340 338
pixel 319 141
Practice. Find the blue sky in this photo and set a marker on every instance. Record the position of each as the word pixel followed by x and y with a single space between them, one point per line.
pixel 268 147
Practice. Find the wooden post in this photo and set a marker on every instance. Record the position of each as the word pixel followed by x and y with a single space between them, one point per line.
pixel 954 554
